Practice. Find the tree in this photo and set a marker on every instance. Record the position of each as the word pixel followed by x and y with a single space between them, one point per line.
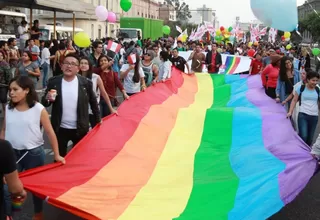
pixel 311 24
pixel 183 26
pixel 182 10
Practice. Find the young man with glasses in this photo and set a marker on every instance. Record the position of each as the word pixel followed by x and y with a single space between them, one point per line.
pixel 70 96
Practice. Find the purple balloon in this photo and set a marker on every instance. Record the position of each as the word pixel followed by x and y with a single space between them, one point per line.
pixel 112 17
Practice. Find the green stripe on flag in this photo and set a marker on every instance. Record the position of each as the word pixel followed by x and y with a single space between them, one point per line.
pixel 214 182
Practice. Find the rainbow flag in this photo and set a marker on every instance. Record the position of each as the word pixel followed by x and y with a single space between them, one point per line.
pixel 195 147
pixel 232 62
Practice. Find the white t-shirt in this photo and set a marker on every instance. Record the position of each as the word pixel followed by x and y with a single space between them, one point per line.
pixel 309 101
pixel 164 70
pixel 129 85
pixel 69 103
pixel 23 128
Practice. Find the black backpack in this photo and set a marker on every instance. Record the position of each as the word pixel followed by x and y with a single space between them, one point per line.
pixel 302 89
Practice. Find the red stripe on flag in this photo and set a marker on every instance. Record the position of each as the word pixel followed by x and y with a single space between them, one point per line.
pixel 104 144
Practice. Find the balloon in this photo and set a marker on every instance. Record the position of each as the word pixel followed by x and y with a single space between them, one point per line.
pixel 288 47
pixel 287 39
pixel 283 38
pixel 230 29
pixel 250 44
pixel 256 43
pixel 221 28
pixel 231 38
pixel 166 29
pixel 125 5
pixel 251 52
pixel 226 35
pixel 218 32
pixel 101 13
pixel 315 51
pixel 112 17
pixel 184 38
pixel 82 39
pixel 287 34
pixel 284 18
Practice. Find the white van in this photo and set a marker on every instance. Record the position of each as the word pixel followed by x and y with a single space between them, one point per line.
pixel 61 31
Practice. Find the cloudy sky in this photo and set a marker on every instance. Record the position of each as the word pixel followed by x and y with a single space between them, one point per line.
pixel 227 10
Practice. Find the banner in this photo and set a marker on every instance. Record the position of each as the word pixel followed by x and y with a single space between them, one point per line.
pixel 203 146
pixel 231 64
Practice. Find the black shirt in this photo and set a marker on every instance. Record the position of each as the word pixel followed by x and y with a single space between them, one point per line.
pixel 178 62
pixel 35 36
pixel 289 86
pixel 7 165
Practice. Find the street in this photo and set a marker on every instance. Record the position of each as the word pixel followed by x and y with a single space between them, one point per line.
pixel 304 207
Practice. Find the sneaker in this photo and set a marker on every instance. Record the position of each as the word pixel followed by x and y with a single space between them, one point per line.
pixel 38 216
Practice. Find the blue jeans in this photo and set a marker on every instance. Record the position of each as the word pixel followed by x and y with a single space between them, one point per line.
pixel 34 158
pixel 307 125
pixel 45 70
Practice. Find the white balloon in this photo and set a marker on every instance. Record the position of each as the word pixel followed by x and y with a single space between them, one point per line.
pixel 101 13
pixel 279 14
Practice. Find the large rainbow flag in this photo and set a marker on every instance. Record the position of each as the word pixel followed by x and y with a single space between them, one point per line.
pixel 196 147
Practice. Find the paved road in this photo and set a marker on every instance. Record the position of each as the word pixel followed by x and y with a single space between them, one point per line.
pixel 304 207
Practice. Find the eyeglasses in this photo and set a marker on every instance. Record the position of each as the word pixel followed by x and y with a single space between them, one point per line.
pixel 70 64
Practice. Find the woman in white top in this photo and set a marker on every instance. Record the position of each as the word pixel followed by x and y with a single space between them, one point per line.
pixel 22 127
pixel 309 106
pixel 133 77
pixel 164 67
pixel 98 88
pixel 45 63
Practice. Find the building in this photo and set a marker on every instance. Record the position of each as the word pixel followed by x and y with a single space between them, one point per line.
pixel 167 12
pixel 206 13
pixel 112 28
pixel 196 18
pixel 303 11
pixel 143 8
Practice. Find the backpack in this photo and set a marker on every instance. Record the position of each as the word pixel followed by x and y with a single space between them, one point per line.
pixel 302 89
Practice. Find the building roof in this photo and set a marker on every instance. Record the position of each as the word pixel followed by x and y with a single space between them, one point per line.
pixel 52 5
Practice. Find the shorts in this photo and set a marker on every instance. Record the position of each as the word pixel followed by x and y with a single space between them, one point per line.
pixel 3 95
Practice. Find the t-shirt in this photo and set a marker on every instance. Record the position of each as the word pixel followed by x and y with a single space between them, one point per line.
pixel 197 60
pixel 7 165
pixel 309 101
pixel 256 66
pixel 23 70
pixel 128 84
pixel 272 72
pixel 178 62
pixel 35 36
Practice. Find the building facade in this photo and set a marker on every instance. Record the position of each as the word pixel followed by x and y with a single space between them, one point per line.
pixel 303 11
pixel 196 18
pixel 206 13
pixel 167 12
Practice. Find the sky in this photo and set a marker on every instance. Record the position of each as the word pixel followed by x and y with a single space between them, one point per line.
pixel 227 10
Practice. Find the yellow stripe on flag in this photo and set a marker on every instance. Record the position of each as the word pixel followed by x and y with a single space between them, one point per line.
pixel 167 191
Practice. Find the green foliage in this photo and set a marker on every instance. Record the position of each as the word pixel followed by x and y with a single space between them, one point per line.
pixel 311 24
pixel 182 10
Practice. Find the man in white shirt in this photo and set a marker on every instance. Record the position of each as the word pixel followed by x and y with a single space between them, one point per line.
pixel 24 34
pixel 74 94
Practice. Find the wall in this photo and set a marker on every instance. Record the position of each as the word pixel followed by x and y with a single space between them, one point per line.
pixel 140 8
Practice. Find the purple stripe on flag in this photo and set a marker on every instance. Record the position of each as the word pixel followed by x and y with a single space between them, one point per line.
pixel 283 142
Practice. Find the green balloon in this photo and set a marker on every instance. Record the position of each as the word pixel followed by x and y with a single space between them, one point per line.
pixel 125 5
pixel 230 29
pixel 315 51
pixel 166 29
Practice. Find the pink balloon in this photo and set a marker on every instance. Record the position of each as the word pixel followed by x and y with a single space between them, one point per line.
pixel 101 12
pixel 112 17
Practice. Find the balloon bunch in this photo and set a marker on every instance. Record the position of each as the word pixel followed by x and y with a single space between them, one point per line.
pixel 256 43
pixel 225 35
pixel 183 38
pixel 286 36
pixel 103 14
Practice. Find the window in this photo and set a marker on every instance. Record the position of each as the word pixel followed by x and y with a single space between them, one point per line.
pixel 9 24
pixel 142 15
pixel 99 32
pixel 138 13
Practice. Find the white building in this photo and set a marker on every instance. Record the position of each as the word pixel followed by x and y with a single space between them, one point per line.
pixel 196 18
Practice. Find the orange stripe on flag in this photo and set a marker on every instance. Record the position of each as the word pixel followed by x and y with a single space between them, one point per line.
pixel 112 189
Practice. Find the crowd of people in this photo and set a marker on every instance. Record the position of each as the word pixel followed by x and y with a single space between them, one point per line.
pixel 86 84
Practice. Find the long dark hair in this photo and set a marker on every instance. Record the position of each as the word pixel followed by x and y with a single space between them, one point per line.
pixel 283 69
pixel 89 72
pixel 136 75
pixel 108 58
pixel 25 83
